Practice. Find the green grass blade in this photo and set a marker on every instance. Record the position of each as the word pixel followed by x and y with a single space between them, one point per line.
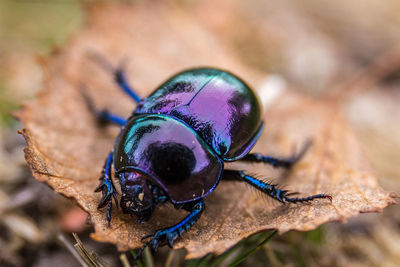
pixel 249 253
pixel 138 262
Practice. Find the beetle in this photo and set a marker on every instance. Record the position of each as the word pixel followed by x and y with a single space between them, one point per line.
pixel 174 145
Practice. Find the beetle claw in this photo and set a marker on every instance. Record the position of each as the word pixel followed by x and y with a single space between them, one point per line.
pixel 108 191
pixel 104 201
pixel 161 236
pixel 147 236
pixel 99 187
pixel 170 242
pixel 140 252
pixel 154 245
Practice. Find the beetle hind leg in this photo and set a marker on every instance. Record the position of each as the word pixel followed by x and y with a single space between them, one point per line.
pixel 106 186
pixel 271 190
pixel 278 162
pixel 170 234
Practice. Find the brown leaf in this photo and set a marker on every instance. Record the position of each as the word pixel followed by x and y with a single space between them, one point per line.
pixel 66 147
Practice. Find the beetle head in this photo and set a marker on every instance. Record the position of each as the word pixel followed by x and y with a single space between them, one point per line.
pixel 137 196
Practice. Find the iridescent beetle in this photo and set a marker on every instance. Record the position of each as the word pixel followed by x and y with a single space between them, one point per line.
pixel 174 145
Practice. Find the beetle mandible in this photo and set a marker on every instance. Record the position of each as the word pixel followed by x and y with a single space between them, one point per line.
pixel 174 145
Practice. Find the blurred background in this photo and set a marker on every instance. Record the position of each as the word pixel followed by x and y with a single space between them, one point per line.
pixel 319 47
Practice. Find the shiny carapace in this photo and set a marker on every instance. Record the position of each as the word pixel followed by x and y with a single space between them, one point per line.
pixel 174 145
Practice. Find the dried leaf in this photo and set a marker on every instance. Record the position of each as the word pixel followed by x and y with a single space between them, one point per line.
pixel 66 147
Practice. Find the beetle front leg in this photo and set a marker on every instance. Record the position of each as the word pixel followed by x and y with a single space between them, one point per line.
pixel 168 235
pixel 106 186
pixel 278 162
pixel 271 190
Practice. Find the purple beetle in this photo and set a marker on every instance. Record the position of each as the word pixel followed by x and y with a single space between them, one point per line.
pixel 174 145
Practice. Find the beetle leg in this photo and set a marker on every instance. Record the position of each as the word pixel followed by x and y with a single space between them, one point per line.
pixel 278 162
pixel 103 115
pixel 120 78
pixel 168 235
pixel 106 186
pixel 118 74
pixel 270 189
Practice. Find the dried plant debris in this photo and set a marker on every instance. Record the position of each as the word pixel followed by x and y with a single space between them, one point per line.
pixel 66 146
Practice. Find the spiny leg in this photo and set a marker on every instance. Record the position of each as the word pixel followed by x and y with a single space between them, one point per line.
pixel 106 186
pixel 270 189
pixel 102 115
pixel 278 162
pixel 118 74
pixel 168 235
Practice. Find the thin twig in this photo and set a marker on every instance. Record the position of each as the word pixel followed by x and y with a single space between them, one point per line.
pixel 148 258
pixel 171 254
pixel 71 249
pixel 90 258
pixel 124 260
